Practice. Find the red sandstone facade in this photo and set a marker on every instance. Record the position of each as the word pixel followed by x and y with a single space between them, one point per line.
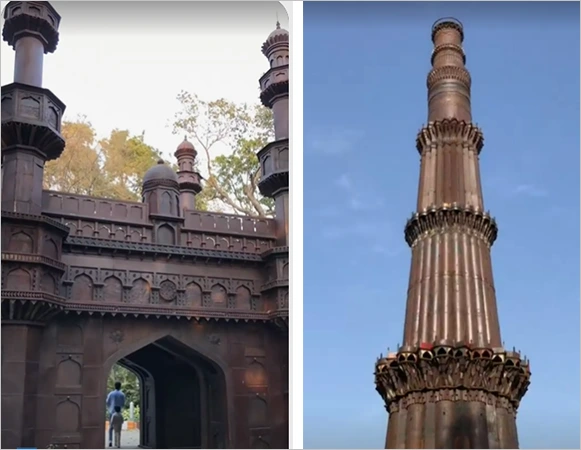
pixel 452 384
pixel 196 303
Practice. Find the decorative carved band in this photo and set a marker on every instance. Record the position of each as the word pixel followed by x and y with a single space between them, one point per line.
pixel 23 217
pixel 453 47
pixel 449 72
pixel 435 368
pixel 274 92
pixel 448 22
pixel 33 259
pixel 451 395
pixel 31 307
pixel 278 39
pixel 152 184
pixel 272 183
pixel 450 216
pixel 22 25
pixel 176 313
pixel 449 131
pixel 103 245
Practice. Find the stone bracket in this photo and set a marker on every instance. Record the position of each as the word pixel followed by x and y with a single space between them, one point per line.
pixel 432 368
pixel 447 217
pixel 449 131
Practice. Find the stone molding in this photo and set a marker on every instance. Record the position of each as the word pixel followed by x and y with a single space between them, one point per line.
pixel 273 92
pixel 449 72
pixel 449 131
pixel 435 220
pixel 450 395
pixel 430 368
pixel 453 47
pixel 448 22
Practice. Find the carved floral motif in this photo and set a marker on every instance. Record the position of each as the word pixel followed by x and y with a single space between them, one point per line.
pixel 167 291
pixel 503 374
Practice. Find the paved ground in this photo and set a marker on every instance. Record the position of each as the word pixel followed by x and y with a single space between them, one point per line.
pixel 129 439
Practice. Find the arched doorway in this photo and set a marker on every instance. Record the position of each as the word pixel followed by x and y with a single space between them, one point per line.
pixel 183 396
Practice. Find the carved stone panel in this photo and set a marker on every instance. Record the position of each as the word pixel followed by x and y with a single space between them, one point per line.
pixel 112 290
pixel 140 292
pixel 83 289
pixel 219 296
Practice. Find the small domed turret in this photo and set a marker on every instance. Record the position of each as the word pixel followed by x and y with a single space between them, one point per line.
pixel 160 172
pixel 160 190
pixel 190 181
pixel 276 47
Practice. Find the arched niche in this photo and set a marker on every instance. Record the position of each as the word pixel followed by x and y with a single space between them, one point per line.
pixel 166 204
pixel 50 249
pixel 219 295
pixel 48 283
pixel 243 298
pixel 21 242
pixel 194 295
pixel 19 280
pixel 255 375
pixel 69 373
pixel 113 290
pixel 166 235
pixel 140 292
pixel 68 417
pixel 257 412
pixel 82 290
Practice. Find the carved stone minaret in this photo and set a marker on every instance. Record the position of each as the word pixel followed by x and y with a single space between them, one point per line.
pixel 274 183
pixel 274 157
pixel 451 384
pixel 189 180
pixel 31 242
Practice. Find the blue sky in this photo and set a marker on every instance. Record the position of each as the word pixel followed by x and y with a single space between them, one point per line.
pixel 365 67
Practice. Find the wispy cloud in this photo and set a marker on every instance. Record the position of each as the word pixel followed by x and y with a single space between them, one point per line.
pixel 530 190
pixel 357 201
pixel 336 142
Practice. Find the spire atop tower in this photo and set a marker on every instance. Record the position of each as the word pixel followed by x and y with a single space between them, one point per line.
pixel 449 81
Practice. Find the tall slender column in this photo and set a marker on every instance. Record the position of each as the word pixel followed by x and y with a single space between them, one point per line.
pixel 31 242
pixel 451 384
pixel 274 157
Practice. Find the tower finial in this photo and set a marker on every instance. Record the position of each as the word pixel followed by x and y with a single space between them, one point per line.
pixel 277 22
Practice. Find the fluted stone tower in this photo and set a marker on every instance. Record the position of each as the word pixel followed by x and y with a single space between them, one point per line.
pixel 451 384
pixel 31 241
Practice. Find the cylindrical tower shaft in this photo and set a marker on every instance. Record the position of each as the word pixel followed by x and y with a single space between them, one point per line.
pixel 274 157
pixel 448 81
pixel 451 292
pixel 29 60
pixel 451 384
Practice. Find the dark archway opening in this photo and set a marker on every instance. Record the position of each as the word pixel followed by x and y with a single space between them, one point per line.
pixel 183 397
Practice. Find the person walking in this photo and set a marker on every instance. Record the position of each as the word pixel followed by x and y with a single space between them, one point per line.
pixel 117 424
pixel 115 398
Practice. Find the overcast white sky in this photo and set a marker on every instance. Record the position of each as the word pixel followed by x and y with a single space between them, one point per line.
pixel 122 63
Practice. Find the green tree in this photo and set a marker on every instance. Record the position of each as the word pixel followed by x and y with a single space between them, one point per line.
pixel 78 170
pixel 129 384
pixel 110 168
pixel 126 159
pixel 241 131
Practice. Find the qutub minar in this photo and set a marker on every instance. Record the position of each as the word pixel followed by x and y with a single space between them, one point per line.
pixel 452 384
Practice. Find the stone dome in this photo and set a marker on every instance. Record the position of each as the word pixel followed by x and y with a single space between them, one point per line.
pixel 277 32
pixel 186 145
pixel 160 172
